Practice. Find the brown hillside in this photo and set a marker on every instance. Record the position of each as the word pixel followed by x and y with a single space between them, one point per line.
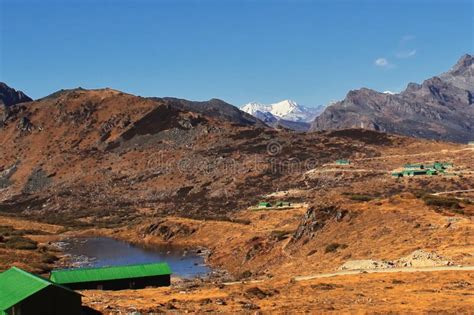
pixel 149 171
pixel 103 155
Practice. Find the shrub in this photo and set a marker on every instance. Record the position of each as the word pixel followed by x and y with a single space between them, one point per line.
pixel 34 232
pixel 442 202
pixel 241 221
pixel 7 230
pixel 19 242
pixel 325 286
pixel 279 235
pixel 331 248
pixel 459 211
pixel 48 258
pixel 419 193
pixel 39 267
pixel 358 197
pixel 246 274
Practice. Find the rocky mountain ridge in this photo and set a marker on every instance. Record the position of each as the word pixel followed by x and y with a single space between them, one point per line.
pixel 440 108
pixel 214 108
pixel 9 96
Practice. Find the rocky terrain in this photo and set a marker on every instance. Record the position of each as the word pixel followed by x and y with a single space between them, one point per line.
pixel 162 170
pixel 440 108
pixel 119 154
pixel 9 96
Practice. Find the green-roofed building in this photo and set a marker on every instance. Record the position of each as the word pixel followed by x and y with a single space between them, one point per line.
pixel 343 162
pixel 114 278
pixel 22 293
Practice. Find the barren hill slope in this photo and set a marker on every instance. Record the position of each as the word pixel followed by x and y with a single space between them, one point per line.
pixel 103 156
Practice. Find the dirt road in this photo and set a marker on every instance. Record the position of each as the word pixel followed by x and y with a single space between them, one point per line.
pixel 452 192
pixel 385 270
pixel 414 154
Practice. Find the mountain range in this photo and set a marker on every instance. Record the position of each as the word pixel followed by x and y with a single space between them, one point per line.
pixel 79 152
pixel 440 108
pixel 170 172
pixel 286 114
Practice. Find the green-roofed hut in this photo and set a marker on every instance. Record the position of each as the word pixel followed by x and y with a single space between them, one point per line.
pixel 264 204
pixel 22 293
pixel 343 162
pixel 114 278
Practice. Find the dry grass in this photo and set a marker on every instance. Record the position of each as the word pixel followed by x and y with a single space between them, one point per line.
pixel 444 291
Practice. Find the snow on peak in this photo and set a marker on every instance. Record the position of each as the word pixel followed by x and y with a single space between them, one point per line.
pixel 286 109
pixel 253 107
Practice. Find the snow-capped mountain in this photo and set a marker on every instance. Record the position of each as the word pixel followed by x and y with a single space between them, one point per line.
pixel 284 110
pixel 264 116
pixel 254 108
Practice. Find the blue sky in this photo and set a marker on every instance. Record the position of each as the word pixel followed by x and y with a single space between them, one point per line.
pixel 239 51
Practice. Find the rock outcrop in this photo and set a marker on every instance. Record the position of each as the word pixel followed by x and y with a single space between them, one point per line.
pixel 9 96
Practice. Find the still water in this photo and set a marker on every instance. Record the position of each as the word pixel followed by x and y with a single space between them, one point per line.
pixel 104 251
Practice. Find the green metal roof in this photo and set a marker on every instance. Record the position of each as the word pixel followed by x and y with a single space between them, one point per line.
pixel 17 285
pixel 109 273
pixel 414 166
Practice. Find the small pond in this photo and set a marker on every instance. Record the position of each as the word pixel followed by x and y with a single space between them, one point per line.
pixel 104 251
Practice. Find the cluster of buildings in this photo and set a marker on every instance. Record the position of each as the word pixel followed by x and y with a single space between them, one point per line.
pixel 435 168
pixel 23 293
pixel 278 204
pixel 343 162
